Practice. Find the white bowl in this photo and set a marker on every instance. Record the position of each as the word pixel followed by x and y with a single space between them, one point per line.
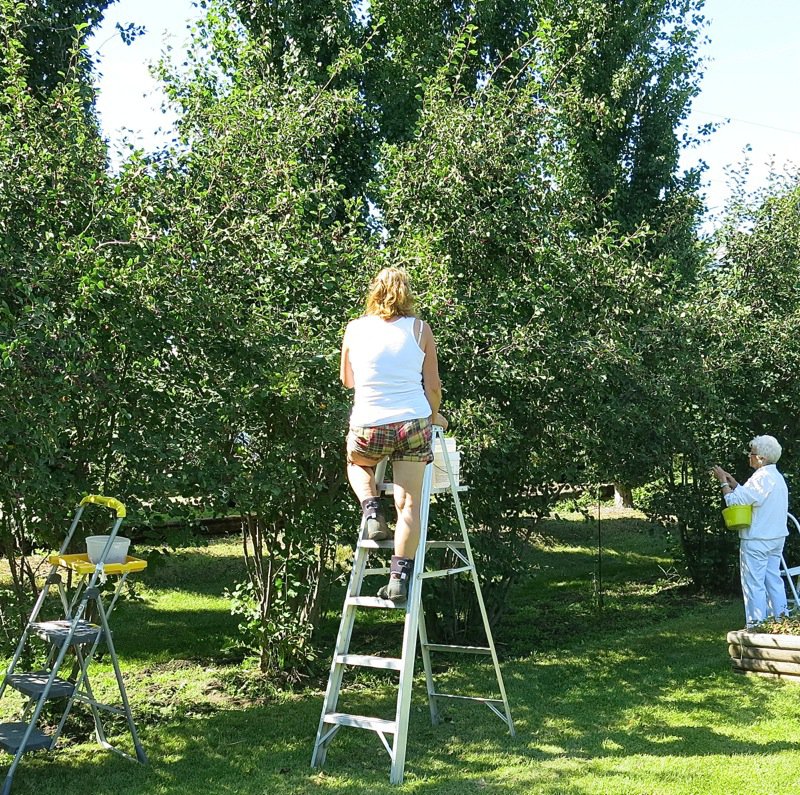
pixel 117 554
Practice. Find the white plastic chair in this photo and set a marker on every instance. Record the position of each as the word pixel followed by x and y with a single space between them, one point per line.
pixel 794 571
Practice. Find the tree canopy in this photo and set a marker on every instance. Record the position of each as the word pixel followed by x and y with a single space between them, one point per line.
pixel 170 333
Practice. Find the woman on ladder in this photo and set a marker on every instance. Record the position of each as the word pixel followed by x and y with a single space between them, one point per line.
pixel 389 358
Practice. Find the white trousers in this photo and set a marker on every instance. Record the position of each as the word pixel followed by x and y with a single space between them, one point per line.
pixel 762 584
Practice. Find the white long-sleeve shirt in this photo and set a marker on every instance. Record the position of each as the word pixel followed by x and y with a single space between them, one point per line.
pixel 766 491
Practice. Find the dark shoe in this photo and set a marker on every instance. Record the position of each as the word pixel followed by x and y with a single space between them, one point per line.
pixel 376 528
pixel 395 591
pixel 373 521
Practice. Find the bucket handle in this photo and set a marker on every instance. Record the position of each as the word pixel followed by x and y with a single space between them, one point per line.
pixel 108 502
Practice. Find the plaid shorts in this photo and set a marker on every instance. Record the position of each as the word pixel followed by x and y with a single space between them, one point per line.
pixel 401 441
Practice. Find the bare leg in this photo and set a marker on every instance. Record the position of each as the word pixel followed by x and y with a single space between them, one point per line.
pixel 361 474
pixel 407 477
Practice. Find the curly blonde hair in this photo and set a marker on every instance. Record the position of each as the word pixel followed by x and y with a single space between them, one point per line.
pixel 390 295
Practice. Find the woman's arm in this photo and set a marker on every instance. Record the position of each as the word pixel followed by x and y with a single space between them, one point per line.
pixel 345 368
pixel 754 492
pixel 431 382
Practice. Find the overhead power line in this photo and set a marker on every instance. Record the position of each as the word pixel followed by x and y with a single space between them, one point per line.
pixel 745 121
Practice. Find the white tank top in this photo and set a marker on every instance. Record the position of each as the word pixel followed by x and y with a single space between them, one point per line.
pixel 387 371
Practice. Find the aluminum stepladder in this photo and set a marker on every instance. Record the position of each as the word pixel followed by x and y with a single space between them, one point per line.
pixel 790 572
pixel 71 632
pixel 331 720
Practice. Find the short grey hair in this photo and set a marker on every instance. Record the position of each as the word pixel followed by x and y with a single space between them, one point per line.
pixel 766 447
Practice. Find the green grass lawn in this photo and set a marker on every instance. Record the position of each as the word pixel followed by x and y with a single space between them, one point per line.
pixel 638 698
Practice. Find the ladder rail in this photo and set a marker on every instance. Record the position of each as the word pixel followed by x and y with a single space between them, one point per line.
pixel 84 660
pixel 67 633
pixel 38 709
pixel 425 649
pixel 82 682
pixel 341 646
pixel 140 754
pixel 790 572
pixel 413 606
pixel 52 578
pixel 476 582
pixel 414 627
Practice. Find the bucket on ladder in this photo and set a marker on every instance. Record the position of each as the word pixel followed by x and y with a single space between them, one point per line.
pixel 445 446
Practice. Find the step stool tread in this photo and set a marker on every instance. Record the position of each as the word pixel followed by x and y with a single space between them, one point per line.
pixel 57 631
pixel 12 734
pixel 33 684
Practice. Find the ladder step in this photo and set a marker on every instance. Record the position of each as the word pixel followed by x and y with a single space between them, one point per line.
pixel 458 649
pixel 445 544
pixel 370 661
pixel 12 734
pixel 372 601
pixel 361 722
pixel 33 685
pixel 388 488
pixel 57 631
pixel 365 543
pixel 791 572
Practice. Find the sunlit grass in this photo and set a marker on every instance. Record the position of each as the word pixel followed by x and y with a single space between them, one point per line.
pixel 636 697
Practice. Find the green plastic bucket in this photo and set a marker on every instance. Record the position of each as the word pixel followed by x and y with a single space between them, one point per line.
pixel 738 517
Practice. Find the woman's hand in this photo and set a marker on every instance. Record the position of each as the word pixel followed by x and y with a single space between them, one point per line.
pixel 438 419
pixel 722 476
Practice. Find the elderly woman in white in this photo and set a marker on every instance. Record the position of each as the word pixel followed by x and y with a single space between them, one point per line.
pixel 761 544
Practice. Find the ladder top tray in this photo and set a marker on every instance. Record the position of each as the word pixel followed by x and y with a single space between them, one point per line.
pixel 82 565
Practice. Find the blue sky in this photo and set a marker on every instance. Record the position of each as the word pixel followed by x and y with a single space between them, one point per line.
pixel 750 86
pixel 751 79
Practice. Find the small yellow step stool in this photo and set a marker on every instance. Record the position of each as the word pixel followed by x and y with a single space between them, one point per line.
pixel 70 632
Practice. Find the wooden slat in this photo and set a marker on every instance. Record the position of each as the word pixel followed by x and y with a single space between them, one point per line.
pixel 737 650
pixel 764 639
pixel 765 675
pixel 768 666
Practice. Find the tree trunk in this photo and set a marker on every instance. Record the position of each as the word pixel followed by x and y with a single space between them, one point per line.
pixel 623 498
